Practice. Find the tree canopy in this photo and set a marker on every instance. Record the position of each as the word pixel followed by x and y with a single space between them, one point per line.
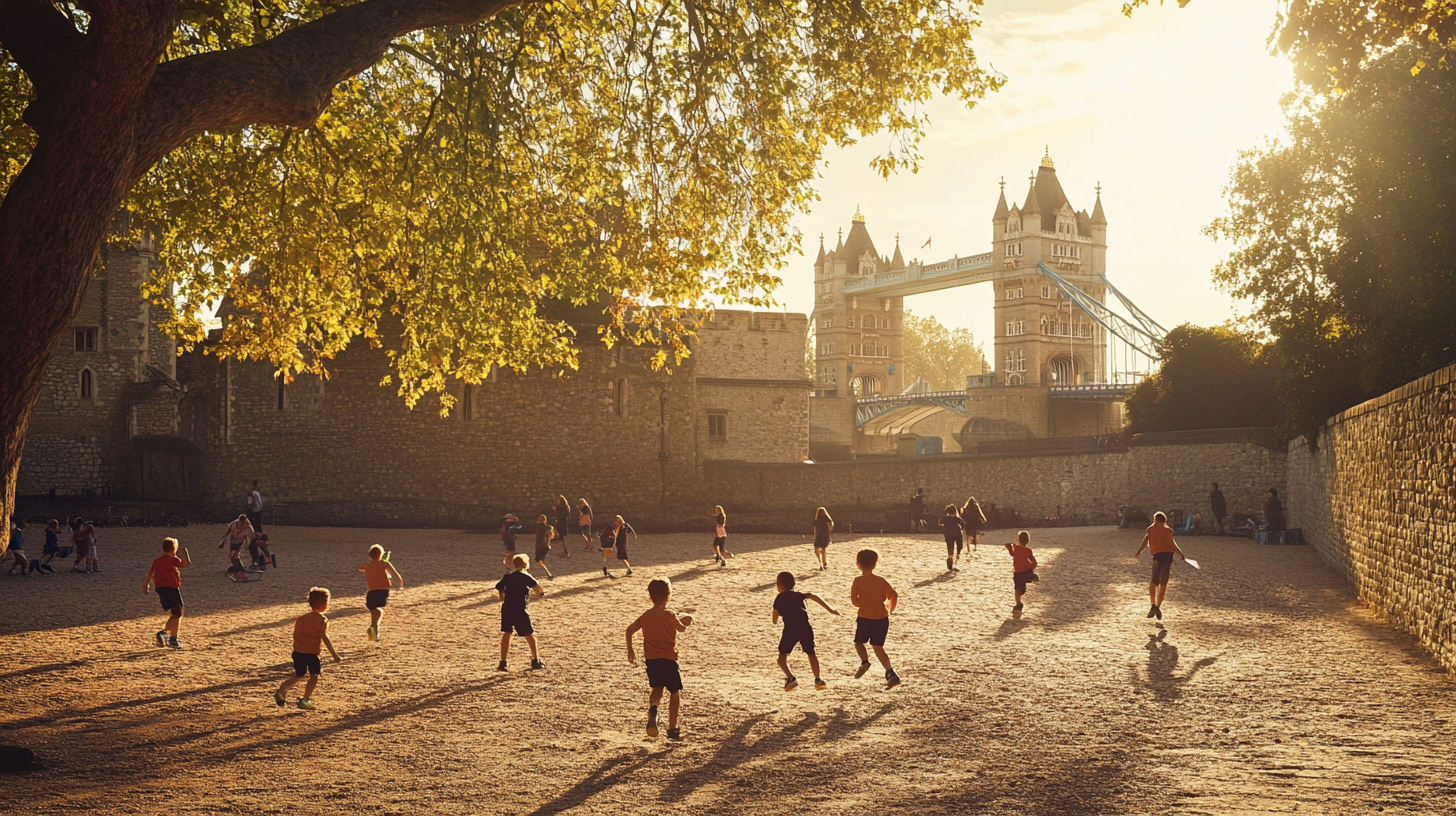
pixel 609 155
pixel 1210 378
pixel 1342 239
pixel 944 357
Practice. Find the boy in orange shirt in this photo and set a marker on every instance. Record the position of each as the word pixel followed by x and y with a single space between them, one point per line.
pixel 377 574
pixel 875 599
pixel 660 626
pixel 309 632
pixel 1023 566
pixel 166 575
pixel 1159 539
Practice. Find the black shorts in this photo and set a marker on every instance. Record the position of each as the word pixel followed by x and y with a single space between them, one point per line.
pixel 542 552
pixel 1162 567
pixel 376 599
pixel 802 637
pixel 622 552
pixel 519 621
pixel 1024 578
pixel 720 541
pixel 509 545
pixel 954 544
pixel 306 664
pixel 871 630
pixel 171 598
pixel 663 673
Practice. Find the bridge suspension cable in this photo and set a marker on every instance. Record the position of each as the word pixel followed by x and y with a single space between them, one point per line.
pixel 1141 335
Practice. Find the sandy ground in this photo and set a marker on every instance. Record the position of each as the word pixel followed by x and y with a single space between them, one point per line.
pixel 1266 688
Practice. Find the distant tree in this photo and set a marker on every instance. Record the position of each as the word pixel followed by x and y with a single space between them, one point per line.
pixel 1342 238
pixel 1210 378
pixel 942 356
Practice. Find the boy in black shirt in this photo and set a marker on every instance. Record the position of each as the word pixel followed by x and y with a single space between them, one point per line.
pixel 951 526
pixel 513 589
pixel 797 631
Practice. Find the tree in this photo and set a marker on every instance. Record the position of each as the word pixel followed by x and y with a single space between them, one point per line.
pixel 943 357
pixel 1332 41
pixel 455 166
pixel 1342 238
pixel 1210 378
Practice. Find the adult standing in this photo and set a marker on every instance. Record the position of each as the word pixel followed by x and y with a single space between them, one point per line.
pixel 255 508
pixel 1273 511
pixel 917 509
pixel 1220 508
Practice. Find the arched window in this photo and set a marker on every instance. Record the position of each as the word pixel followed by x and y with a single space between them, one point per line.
pixel 87 384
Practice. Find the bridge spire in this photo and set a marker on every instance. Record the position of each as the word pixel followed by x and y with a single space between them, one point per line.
pixel 1046 159
pixel 1098 219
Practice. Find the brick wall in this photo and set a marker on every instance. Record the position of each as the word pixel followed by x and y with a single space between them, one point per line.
pixel 1378 500
pixel 1085 486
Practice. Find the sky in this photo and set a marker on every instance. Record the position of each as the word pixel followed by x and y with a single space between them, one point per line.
pixel 1155 108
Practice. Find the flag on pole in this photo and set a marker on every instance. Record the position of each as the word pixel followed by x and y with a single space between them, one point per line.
pixel 927 242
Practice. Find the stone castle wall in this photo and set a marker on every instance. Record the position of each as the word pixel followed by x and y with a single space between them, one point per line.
pixel 750 370
pixel 1378 500
pixel 1170 474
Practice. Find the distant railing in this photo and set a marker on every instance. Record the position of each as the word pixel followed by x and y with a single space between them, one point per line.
pixel 920 272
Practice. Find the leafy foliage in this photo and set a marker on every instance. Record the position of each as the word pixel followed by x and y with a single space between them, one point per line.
pixel 942 356
pixel 1342 238
pixel 1210 378
pixel 480 190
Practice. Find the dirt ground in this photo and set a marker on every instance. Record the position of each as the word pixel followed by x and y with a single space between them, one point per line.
pixel 1265 689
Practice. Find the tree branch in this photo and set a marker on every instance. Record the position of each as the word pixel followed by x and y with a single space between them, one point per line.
pixel 289 79
pixel 42 40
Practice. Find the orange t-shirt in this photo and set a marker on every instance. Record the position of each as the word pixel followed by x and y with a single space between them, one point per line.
pixel 1022 559
pixel 308 633
pixel 869 593
pixel 376 575
pixel 659 633
pixel 1160 537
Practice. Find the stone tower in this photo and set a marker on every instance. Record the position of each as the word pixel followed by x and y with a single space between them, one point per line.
pixel 858 340
pixel 1042 339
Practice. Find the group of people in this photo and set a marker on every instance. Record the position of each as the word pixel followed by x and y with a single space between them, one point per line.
pixel 614 537
pixel 873 597
pixel 82 544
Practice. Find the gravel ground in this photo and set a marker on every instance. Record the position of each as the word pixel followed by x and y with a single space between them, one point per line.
pixel 1267 688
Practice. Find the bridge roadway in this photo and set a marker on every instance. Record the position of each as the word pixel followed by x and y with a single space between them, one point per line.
pixel 918 278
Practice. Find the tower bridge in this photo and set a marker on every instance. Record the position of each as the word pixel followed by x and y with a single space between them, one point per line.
pixel 1063 359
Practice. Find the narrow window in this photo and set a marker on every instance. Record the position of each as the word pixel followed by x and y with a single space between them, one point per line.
pixel 717 425
pixel 281 385
pixel 85 339
pixel 851 321
pixel 619 398
pixel 467 403
pixel 87 384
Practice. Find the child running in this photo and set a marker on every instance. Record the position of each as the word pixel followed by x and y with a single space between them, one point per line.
pixel 166 575
pixel 973 520
pixel 378 577
pixel 1023 566
pixel 22 565
pixel 562 510
pixel 823 526
pixel 544 533
pixel 660 626
pixel 510 525
pixel 797 632
pixel 623 535
pixel 513 589
pixel 607 541
pixel 584 521
pixel 1159 539
pixel 84 535
pixel 310 632
pixel 720 536
pixel 52 546
pixel 875 599
pixel 950 527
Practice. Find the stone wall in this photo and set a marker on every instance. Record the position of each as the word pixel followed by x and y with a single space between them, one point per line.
pixel 1157 474
pixel 1378 500
pixel 751 374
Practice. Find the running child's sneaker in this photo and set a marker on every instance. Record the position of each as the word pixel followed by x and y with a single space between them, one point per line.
pixel 863 667
pixel 674 733
pixel 652 721
pixel 306 704
pixel 273 559
pixel 279 698
pixel 1159 611
pixel 604 572
pixel 891 679
pixel 501 667
pixel 819 684
pixel 371 633
pixel 537 664
pixel 791 684
pixel 629 570
pixel 1152 610
pixel 161 638
pixel 949 565
pixel 174 643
